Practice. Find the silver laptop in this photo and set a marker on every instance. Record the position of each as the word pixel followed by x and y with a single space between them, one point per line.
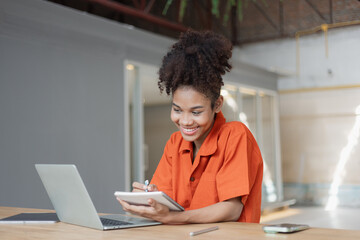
pixel 73 204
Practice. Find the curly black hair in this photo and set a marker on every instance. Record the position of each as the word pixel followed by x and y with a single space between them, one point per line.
pixel 198 59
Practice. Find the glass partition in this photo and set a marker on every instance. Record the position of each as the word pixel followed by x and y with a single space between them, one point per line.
pixel 147 120
pixel 135 122
pixel 268 146
pixel 257 109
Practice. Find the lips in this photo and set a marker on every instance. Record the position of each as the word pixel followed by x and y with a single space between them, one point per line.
pixel 189 131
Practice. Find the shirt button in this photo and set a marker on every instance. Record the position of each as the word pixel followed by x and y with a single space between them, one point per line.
pixel 192 179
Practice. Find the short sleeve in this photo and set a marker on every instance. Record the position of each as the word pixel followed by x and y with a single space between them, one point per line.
pixel 241 174
pixel 233 177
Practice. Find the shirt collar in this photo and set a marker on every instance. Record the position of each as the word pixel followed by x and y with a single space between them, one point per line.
pixel 209 146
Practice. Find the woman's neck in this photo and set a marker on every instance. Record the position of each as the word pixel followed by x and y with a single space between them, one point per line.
pixel 195 151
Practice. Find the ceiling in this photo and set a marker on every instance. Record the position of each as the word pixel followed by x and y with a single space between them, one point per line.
pixel 253 21
pixel 242 21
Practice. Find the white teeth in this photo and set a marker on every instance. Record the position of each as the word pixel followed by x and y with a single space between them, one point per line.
pixel 189 129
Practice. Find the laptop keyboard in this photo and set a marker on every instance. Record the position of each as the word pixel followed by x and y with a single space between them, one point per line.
pixel 111 222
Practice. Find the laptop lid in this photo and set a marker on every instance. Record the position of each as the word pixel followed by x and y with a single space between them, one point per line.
pixel 72 201
pixel 68 195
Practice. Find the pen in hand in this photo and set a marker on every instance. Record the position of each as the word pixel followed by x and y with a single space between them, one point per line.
pixel 146 185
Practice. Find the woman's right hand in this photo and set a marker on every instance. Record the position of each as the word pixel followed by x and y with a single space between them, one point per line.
pixel 140 187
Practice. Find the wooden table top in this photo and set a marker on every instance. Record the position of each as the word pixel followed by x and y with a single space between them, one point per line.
pixel 229 230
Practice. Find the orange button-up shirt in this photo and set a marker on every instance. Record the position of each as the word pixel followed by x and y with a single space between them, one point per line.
pixel 228 165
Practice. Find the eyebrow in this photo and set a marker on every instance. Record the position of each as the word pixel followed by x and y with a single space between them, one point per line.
pixel 195 107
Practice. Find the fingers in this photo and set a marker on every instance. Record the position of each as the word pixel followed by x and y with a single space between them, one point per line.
pixel 152 188
pixel 144 211
pixel 152 211
pixel 139 187
pixel 158 208
pixel 128 207
pixel 124 204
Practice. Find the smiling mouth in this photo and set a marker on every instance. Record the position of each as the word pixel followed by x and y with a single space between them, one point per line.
pixel 189 131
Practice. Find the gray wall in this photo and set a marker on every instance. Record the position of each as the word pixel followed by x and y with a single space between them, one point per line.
pixel 62 98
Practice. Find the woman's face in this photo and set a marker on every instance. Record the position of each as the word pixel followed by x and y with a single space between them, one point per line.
pixel 192 114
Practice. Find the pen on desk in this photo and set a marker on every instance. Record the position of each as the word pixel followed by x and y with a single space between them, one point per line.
pixel 204 231
pixel 146 185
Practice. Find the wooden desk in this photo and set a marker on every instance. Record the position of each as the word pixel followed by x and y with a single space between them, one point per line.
pixel 232 230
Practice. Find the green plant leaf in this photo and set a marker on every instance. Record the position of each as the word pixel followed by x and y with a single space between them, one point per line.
pixel 183 4
pixel 215 8
pixel 240 4
pixel 167 5
pixel 227 12
pixel 240 10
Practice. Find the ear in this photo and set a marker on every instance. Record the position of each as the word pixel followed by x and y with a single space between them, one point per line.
pixel 218 104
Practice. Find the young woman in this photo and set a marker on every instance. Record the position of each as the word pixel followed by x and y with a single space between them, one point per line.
pixel 210 167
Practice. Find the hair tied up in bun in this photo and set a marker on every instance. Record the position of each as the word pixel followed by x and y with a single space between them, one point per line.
pixel 198 60
pixel 191 50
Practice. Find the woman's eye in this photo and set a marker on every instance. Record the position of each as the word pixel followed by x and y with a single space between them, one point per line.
pixel 176 110
pixel 196 113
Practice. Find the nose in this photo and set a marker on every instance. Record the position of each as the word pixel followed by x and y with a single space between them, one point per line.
pixel 186 120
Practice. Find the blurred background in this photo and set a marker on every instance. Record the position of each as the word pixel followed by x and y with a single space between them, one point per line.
pixel 78 84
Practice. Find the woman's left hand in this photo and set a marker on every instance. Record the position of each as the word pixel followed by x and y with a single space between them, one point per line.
pixel 155 211
pixel 228 210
